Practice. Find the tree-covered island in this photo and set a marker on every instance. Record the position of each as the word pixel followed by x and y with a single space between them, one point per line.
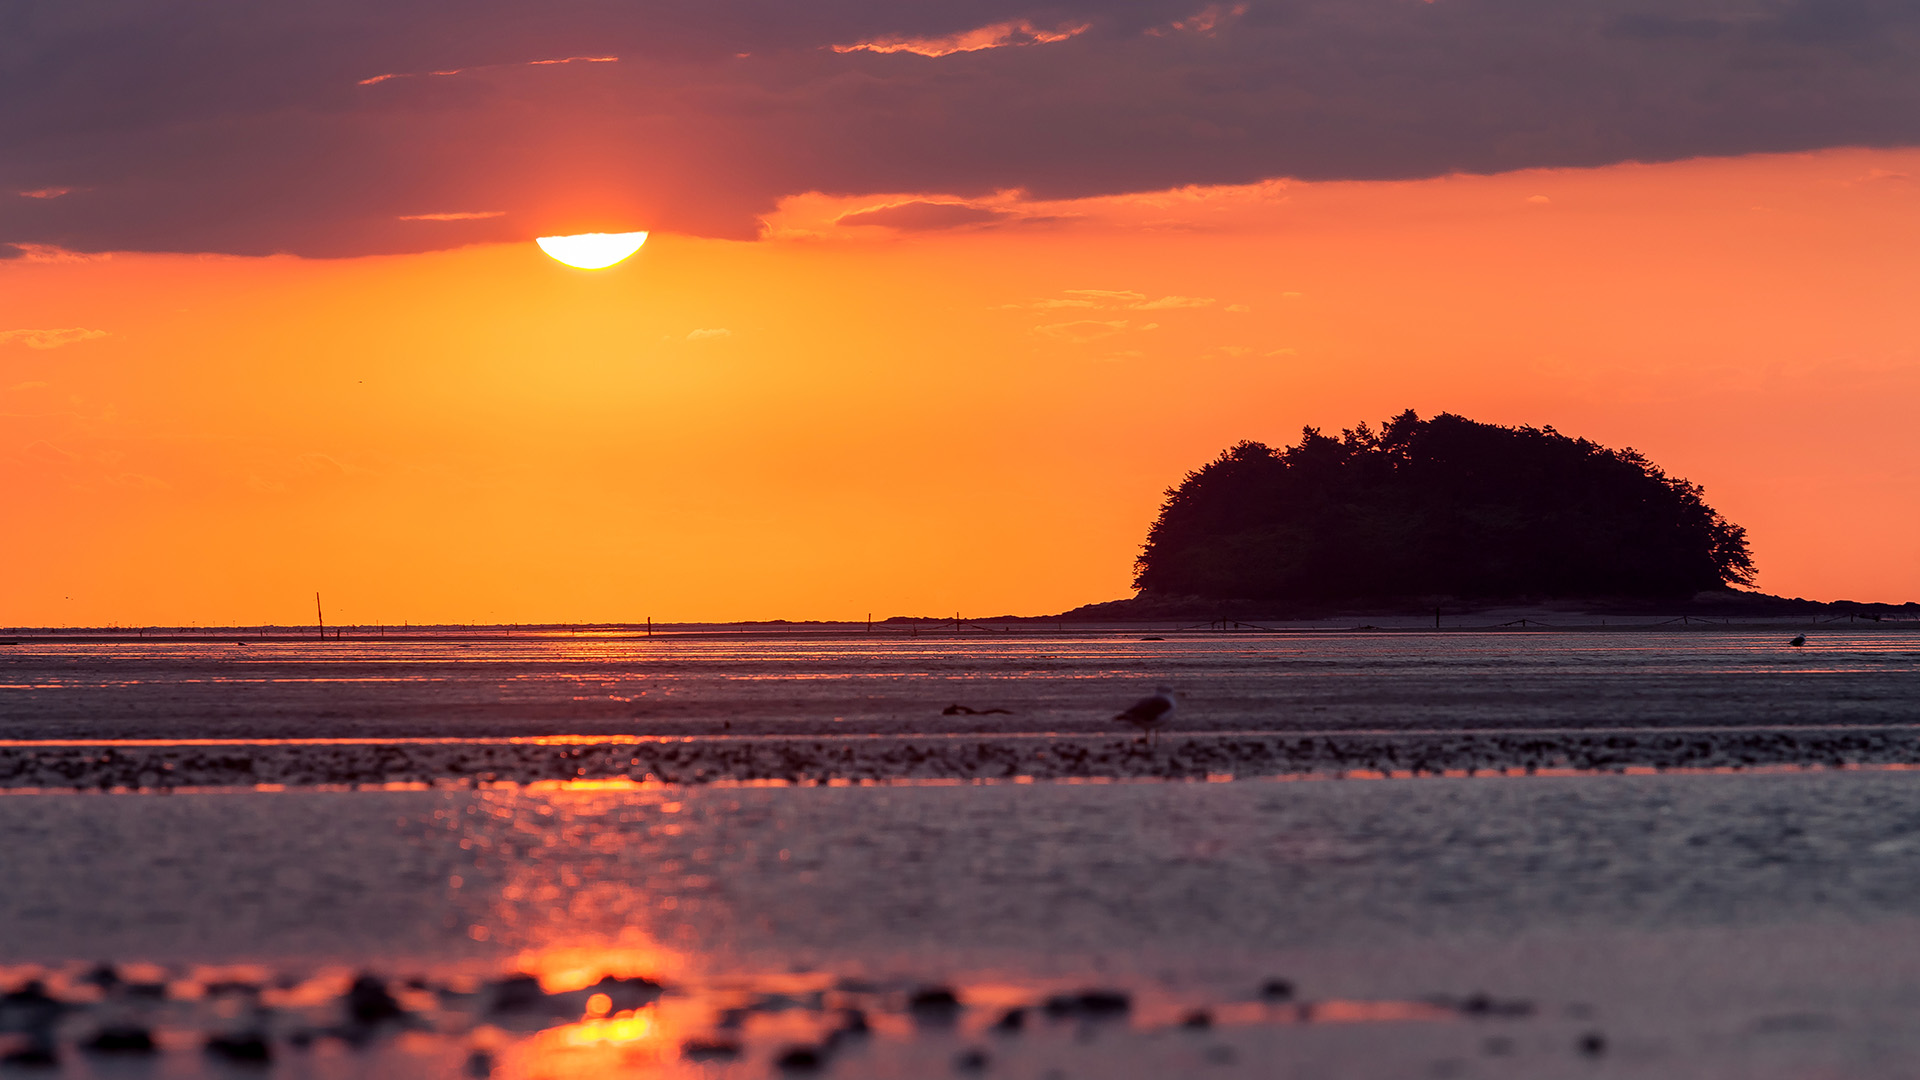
pixel 1425 511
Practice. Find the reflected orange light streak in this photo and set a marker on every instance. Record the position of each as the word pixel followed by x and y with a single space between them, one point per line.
pixel 626 1028
pixel 593 1048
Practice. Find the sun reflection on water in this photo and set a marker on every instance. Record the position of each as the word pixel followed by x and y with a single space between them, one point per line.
pixel 593 1047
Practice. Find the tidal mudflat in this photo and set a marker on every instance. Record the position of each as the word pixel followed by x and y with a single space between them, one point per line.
pixel 269 885
pixel 816 708
pixel 242 685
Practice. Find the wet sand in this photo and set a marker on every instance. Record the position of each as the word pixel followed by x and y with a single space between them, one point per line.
pixel 822 708
pixel 887 685
pixel 162 765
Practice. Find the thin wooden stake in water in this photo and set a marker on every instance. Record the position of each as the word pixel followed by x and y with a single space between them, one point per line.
pixel 318 614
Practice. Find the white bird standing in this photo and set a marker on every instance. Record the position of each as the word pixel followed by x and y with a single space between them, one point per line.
pixel 1150 712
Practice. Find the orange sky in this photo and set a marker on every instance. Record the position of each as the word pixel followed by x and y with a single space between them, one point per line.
pixel 838 420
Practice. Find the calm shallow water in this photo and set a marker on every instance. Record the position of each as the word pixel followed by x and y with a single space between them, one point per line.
pixel 826 684
pixel 1700 925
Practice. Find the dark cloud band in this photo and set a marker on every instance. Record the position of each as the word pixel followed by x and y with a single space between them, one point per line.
pixel 403 125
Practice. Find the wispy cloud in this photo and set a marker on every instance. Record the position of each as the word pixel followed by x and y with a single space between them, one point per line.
pixel 377 79
pixel 1083 298
pixel 48 253
pixel 458 215
pixel 1116 299
pixel 1209 18
pixel 922 215
pixel 709 335
pixel 48 454
pixel 46 193
pixel 50 339
pixel 1205 21
pixel 995 36
pixel 1081 331
pixel 1095 297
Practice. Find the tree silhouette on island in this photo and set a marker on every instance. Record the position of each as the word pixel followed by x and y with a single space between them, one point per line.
pixel 1426 511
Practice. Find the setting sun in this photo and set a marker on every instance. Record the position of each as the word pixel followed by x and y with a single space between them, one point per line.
pixel 592 251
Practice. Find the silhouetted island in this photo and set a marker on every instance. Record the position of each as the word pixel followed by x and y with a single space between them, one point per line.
pixel 1426 511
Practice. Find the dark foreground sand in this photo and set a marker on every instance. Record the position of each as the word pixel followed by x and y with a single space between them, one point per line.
pixel 1017 758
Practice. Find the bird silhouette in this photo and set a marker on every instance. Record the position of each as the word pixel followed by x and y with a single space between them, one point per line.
pixel 1798 640
pixel 1150 712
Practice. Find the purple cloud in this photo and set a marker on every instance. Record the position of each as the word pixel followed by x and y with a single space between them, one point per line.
pixel 363 126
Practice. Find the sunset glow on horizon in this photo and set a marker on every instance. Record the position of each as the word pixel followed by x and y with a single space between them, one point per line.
pixel 936 302
pixel 971 411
